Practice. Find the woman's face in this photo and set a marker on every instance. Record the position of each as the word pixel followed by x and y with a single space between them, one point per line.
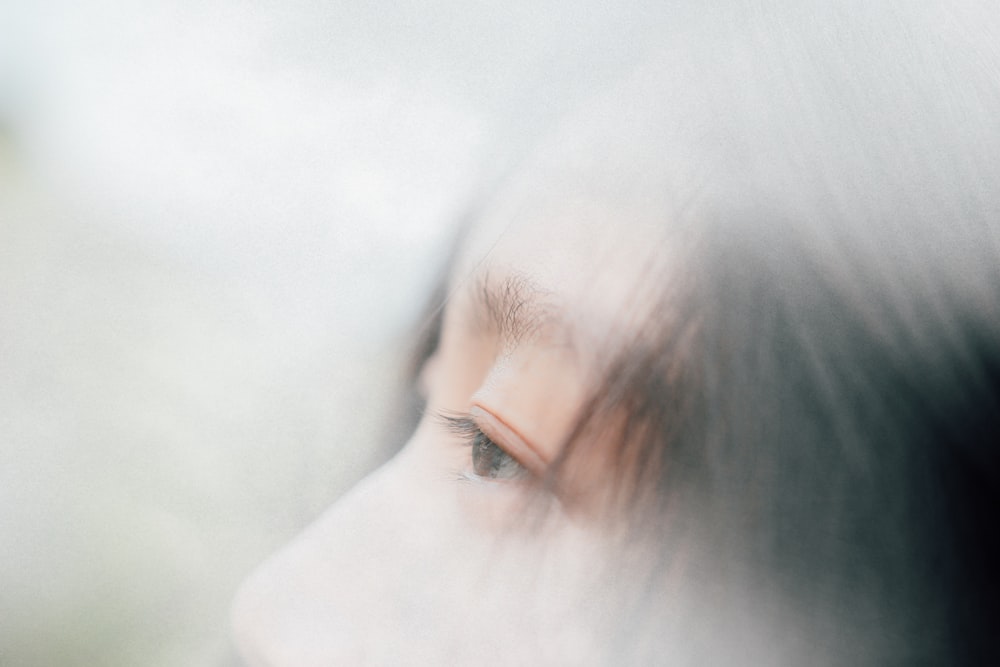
pixel 435 558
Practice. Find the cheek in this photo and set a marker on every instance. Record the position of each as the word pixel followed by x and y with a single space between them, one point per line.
pixel 412 567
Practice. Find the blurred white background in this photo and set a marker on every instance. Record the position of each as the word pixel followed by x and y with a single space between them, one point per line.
pixel 218 224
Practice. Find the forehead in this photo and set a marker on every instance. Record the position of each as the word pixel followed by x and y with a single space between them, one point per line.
pixel 592 217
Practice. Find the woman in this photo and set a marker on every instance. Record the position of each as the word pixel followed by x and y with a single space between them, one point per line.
pixel 716 379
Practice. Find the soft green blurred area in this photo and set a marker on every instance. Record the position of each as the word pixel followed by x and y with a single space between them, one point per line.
pixel 163 427
pixel 218 224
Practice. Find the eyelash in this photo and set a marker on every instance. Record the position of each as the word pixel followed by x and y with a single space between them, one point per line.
pixel 489 460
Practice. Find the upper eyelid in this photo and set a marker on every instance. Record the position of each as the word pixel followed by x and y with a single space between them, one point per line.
pixel 508 439
pixel 465 424
pixel 460 423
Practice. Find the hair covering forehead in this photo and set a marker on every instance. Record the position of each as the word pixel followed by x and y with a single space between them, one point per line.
pixel 855 108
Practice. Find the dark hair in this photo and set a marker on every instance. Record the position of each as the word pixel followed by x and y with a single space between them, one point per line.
pixel 821 398
pixel 841 444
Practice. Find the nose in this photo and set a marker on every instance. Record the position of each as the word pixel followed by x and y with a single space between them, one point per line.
pixel 409 568
pixel 279 612
pixel 306 604
pixel 358 583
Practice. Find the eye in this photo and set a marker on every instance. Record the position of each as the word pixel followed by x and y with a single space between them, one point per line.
pixel 489 460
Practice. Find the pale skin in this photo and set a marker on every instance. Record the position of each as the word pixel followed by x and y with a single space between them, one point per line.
pixel 429 560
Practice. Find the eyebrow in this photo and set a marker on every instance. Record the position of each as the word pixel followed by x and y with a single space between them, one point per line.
pixel 513 308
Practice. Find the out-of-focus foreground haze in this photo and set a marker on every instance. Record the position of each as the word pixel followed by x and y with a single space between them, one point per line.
pixel 218 222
